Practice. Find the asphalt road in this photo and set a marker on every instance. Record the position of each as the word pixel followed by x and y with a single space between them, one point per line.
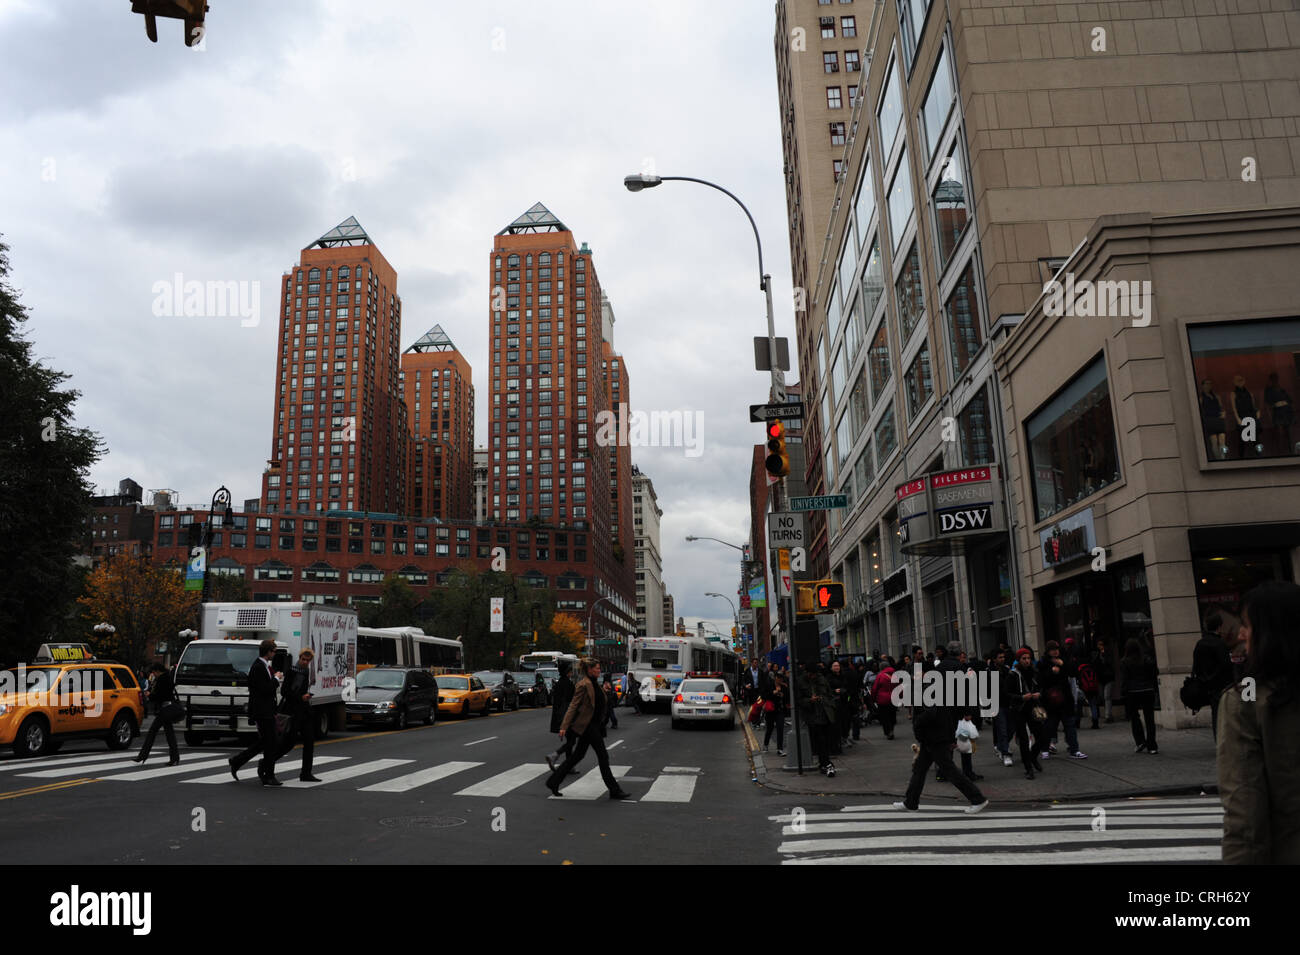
pixel 460 792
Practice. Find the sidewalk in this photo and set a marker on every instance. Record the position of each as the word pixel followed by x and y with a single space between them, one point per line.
pixel 875 766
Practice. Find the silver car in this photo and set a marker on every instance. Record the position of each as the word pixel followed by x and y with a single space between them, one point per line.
pixel 706 700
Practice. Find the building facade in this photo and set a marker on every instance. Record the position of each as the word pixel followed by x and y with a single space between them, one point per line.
pixel 340 436
pixel 482 458
pixel 984 144
pixel 649 561
pixel 437 386
pixel 549 396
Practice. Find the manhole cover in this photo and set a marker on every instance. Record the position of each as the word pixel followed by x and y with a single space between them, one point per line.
pixel 421 822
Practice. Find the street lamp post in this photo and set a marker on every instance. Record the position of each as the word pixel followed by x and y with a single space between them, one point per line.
pixel 636 183
pixel 220 499
pixel 590 642
pixel 691 537
pixel 735 617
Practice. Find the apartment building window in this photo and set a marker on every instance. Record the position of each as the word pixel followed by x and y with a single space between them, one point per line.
pixel 937 106
pixel 889 114
pixel 837 134
pixel 1071 441
pixel 873 281
pixel 911 294
pixel 917 381
pixel 837 165
pixel 864 203
pixel 900 201
pixel 878 360
pixel 833 97
pixel 853 96
pixel 831 62
pixel 828 28
pixel 911 24
pixel 951 208
pixel 848 27
pixel 851 62
pixel 965 332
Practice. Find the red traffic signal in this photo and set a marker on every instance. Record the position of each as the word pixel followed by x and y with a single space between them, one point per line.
pixel 777 462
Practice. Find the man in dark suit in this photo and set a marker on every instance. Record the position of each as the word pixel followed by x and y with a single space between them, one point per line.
pixel 262 686
pixel 563 695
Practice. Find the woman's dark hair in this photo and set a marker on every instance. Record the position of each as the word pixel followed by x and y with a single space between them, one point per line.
pixel 1272 610
pixel 1133 650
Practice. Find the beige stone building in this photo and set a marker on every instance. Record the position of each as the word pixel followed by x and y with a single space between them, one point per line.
pixel 986 140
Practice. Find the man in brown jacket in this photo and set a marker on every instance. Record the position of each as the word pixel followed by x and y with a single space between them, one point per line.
pixel 584 724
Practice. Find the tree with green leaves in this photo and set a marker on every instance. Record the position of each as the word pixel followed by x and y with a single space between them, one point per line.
pixel 398 605
pixel 461 607
pixel 44 488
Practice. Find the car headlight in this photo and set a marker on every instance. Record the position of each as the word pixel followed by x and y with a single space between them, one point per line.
pixel 4 708
pixel 384 706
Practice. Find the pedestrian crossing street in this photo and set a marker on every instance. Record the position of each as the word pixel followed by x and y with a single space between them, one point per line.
pixel 671 784
pixel 1130 831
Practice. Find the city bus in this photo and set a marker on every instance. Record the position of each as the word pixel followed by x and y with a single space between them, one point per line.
pixel 547 658
pixel 666 661
pixel 408 646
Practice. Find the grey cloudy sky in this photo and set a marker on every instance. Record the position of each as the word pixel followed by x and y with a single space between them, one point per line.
pixel 435 125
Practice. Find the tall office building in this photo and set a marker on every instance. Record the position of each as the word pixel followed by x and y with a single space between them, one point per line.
pixel 437 384
pixel 340 436
pixel 819 59
pixel 548 399
pixel 613 373
pixel 991 438
pixel 650 592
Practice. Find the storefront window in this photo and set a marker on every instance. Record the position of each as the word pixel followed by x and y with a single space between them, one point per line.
pixel 1072 443
pixel 1222 580
pixel 1247 376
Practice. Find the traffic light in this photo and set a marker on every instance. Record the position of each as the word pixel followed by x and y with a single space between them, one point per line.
pixel 191 11
pixel 778 461
pixel 818 596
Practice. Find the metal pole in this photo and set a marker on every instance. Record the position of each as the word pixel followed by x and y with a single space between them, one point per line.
pixel 794 669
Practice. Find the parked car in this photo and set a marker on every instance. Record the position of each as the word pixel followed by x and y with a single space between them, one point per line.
pixel 532 690
pixel 394 696
pixel 504 689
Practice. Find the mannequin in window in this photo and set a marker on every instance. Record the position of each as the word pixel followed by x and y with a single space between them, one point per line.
pixel 1279 404
pixel 1212 422
pixel 1243 406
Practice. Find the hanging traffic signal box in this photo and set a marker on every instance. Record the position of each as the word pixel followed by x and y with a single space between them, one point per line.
pixel 817 596
pixel 778 461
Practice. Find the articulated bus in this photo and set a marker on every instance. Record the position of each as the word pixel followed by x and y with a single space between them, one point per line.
pixel 666 661
pixel 410 647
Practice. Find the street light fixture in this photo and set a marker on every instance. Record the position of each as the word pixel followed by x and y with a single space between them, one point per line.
pixel 690 537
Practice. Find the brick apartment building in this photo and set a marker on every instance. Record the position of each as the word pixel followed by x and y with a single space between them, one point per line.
pixel 437 386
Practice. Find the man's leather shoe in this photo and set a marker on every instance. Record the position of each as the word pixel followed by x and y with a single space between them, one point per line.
pixel 620 794
pixel 174 761
pixel 234 768
pixel 309 779
pixel 271 781
pixel 555 790
pixel 551 763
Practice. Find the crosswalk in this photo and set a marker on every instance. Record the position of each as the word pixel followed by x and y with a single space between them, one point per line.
pixel 474 778
pixel 1130 831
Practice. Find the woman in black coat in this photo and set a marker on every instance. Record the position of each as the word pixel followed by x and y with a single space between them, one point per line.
pixel 1024 693
pixel 163 692
pixel 562 696
pixel 1138 672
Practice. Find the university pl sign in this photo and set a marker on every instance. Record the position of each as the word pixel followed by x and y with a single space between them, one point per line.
pixel 937 510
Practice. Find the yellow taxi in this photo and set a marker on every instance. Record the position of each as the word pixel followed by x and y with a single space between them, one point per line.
pixel 460 694
pixel 46 703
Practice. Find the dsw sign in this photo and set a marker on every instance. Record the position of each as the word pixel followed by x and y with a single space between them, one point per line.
pixel 969 519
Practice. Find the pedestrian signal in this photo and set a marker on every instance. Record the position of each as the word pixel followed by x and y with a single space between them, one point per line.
pixel 778 461
pixel 818 596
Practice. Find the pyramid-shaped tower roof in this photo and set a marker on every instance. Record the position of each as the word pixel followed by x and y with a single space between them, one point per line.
pixel 347 232
pixel 537 219
pixel 435 339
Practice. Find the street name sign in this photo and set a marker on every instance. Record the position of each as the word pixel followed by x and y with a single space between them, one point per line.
pixel 785 529
pixel 762 413
pixel 823 502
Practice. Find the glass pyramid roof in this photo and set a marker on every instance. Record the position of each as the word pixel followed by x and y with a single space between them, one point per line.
pixel 347 232
pixel 435 339
pixel 536 219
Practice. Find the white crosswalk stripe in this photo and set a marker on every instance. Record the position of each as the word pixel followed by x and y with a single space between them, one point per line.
pixel 1176 830
pixel 209 766
pixel 419 778
pixel 286 765
pixel 502 783
pixel 347 772
pixel 590 785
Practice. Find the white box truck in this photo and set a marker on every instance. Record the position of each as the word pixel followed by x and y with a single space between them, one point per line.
pixel 212 673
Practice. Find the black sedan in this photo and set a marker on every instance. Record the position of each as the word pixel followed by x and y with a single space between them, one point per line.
pixel 393 696
pixel 504 689
pixel 532 691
